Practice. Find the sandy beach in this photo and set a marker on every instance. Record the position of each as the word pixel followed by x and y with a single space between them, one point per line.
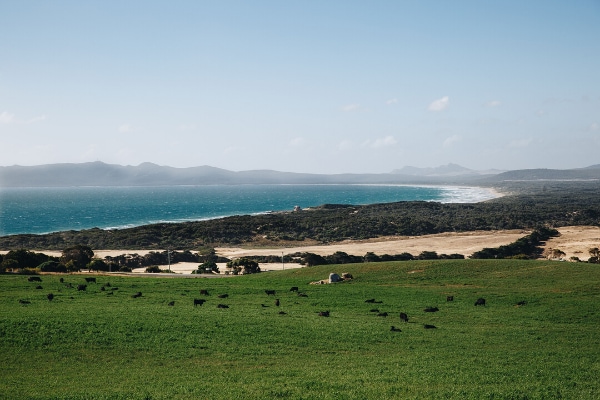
pixel 574 241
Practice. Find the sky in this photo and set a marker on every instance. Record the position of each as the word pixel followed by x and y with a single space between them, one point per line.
pixel 301 86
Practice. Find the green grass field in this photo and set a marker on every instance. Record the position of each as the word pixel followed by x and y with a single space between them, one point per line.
pixel 96 345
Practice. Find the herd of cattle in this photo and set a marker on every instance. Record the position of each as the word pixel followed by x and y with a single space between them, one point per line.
pixel 269 292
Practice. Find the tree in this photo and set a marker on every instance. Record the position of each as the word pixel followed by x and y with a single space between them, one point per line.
pixel 594 255
pixel 79 256
pixel 52 266
pixel 97 265
pixel 243 266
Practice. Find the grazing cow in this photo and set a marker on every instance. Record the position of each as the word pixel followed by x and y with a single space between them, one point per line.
pixel 427 326
pixel 50 296
pixel 277 302
pixel 431 309
pixel 24 301
pixel 394 329
pixel 382 314
pixel 324 314
pixel 90 280
pixel 403 317
pixel 282 313
pixel 522 303
pixel 302 294
pixel 374 310
pixel 171 303
pixel 34 279
pixel 223 296
pixel 39 287
pixel 222 306
pixel 449 298
pixel 199 302
pixel 480 302
pixel 81 288
pixel 294 289
pixel 138 294
pixel 270 292
pixel 204 292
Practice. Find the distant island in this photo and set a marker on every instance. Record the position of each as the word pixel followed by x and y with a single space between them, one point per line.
pixel 149 174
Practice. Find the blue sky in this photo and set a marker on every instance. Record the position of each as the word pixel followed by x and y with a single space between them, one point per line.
pixel 303 86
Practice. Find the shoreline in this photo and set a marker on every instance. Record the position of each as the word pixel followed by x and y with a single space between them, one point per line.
pixel 451 194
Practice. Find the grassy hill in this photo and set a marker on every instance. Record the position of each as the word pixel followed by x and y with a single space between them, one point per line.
pixel 106 344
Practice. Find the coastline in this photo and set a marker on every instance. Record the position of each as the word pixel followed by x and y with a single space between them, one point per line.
pixel 119 207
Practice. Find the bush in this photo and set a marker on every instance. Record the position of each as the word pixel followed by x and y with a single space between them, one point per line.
pixel 154 270
pixel 52 266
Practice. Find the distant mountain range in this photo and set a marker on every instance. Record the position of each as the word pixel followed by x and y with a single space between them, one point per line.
pixel 148 174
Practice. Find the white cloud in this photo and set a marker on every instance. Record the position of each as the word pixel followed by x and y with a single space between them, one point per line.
pixel 594 127
pixel 345 145
pixel 297 142
pixel 493 103
pixel 126 128
pixel 439 104
pixel 6 118
pixel 451 140
pixel 391 101
pixel 351 107
pixel 381 142
pixel 520 143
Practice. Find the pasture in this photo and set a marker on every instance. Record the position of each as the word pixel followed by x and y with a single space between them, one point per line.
pixel 536 337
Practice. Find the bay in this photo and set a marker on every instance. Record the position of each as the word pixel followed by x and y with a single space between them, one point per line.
pixel 43 210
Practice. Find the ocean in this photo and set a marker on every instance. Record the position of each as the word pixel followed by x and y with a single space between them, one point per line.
pixel 44 210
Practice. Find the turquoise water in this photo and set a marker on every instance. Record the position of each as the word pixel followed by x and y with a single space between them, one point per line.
pixel 42 210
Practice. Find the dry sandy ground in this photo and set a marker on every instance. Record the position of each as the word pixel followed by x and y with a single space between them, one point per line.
pixel 575 241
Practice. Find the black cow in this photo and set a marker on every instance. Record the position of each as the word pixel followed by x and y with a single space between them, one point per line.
pixel 449 298
pixel 136 295
pixel 403 317
pixel 480 302
pixel 204 292
pixel 282 313
pixel 34 279
pixel 374 310
pixel 90 280
pixel 431 309
pixel 171 303
pixel 382 314
pixel 24 301
pixel 427 326
pixel 199 302
pixel 50 296
pixel 521 303
pixel 62 280
pixel 270 292
pixel 277 302
pixel 39 287
pixel 302 294
pixel 324 314
pixel 223 296
pixel 394 329
pixel 222 306
pixel 294 289
pixel 81 288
